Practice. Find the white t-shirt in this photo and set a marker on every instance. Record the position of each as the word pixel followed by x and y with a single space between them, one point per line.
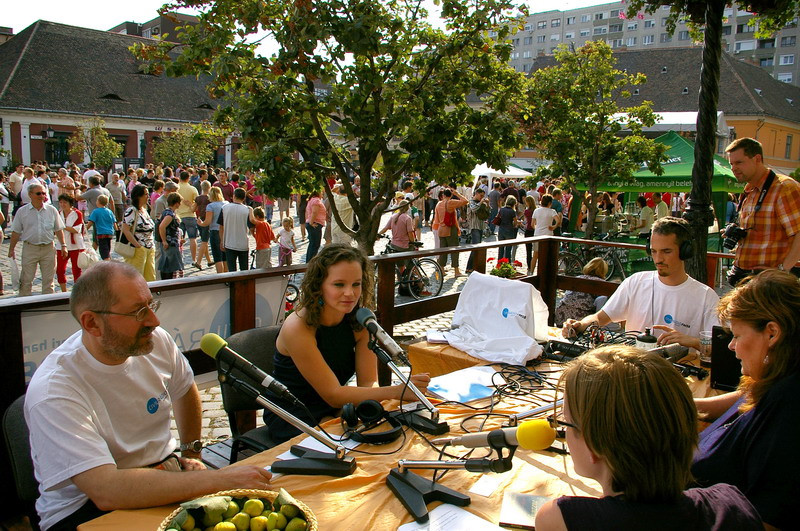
pixel 15 179
pixel 544 217
pixel 285 237
pixel 234 218
pixel 83 414
pixel 72 241
pixel 642 300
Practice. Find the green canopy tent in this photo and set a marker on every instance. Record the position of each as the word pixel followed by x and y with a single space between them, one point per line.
pixel 677 176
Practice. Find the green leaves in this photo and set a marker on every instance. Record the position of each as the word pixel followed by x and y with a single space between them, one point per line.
pixel 90 139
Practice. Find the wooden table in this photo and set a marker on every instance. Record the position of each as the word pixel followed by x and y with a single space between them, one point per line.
pixel 363 501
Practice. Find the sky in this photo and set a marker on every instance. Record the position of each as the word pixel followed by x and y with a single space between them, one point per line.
pixel 103 15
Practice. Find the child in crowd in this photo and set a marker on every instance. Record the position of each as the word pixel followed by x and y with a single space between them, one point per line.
pixel 82 203
pixel 158 190
pixel 286 245
pixel 269 206
pixel 263 234
pixel 105 223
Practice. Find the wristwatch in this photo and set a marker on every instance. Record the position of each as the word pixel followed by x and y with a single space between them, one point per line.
pixel 194 446
pixel 780 267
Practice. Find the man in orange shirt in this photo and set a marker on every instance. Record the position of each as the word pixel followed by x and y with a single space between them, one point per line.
pixel 769 213
pixel 448 227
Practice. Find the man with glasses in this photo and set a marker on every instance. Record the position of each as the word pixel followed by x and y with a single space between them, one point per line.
pixel 99 406
pixel 38 225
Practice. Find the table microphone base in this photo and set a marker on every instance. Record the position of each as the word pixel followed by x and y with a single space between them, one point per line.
pixel 415 492
pixel 421 420
pixel 314 463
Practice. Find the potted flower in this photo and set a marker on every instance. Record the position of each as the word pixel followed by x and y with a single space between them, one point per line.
pixel 505 268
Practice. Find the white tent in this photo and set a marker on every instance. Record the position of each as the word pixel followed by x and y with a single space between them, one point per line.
pixel 513 172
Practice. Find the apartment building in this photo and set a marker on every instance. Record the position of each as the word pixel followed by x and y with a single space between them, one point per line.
pixel 543 32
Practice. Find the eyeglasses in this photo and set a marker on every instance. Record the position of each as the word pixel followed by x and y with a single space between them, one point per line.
pixel 559 421
pixel 39 193
pixel 140 314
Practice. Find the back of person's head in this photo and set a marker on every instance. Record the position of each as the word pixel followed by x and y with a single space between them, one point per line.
pixel 184 175
pixel 170 186
pixel 641 201
pixel 205 186
pixel 258 212
pixel 215 194
pixel 167 173
pixel 635 411
pixel 546 200
pixel 751 146
pixel 94 180
pixel 317 271
pixel 772 296
pixel 556 193
pixel 158 185
pixel 596 267
pixel 240 194
pixel 530 202
pixel 447 192
pixel 402 206
pixel 496 185
pixel 511 201
pixel 174 199
pixel 102 200
pixel 94 290
pixel 671 225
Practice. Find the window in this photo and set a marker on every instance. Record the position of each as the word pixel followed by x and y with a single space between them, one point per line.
pixel 614 13
pixel 648 39
pixel 788 153
pixel 631 41
pixel 146 33
pixel 683 35
pixel 525 67
pixel 633 26
pixel 788 41
pixel 528 27
pixel 786 77
pixel 742 46
pixel 526 54
pixel 570 20
pixel 569 35
pixel 766 61
pixel 745 28
pixel 615 28
pixel 766 44
pixel 555 37
pixel 649 24
pixel 527 41
pixel 787 59
pixel 515 55
pixel 515 42
pixel 616 43
pixel 540 38
pixel 542 24
pixel 584 33
pixel 599 16
pixel 601 30
pixel 556 22
pixel 666 37
pixel 726 30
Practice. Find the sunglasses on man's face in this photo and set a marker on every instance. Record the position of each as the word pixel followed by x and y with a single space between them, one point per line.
pixel 39 193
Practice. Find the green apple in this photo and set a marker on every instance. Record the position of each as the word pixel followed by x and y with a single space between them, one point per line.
pixel 289 511
pixel 259 523
pixel 297 524
pixel 241 521
pixel 253 507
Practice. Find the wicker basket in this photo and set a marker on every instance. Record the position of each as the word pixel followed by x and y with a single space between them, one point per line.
pixel 246 493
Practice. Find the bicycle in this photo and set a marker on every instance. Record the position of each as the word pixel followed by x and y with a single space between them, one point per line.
pixel 422 277
pixel 571 263
pixel 292 291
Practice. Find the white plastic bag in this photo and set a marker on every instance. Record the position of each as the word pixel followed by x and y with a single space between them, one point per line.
pixel 88 258
pixel 497 320
pixel 14 274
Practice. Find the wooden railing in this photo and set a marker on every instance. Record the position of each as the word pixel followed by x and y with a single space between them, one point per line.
pixel 243 313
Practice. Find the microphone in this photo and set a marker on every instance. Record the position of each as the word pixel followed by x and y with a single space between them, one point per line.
pixel 536 434
pixel 367 319
pixel 215 346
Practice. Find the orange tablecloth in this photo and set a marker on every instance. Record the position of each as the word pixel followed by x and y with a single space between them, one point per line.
pixel 363 501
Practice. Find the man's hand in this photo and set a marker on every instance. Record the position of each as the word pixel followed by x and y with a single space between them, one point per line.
pixel 11 253
pixel 671 335
pixel 64 251
pixel 244 477
pixel 571 328
pixel 190 463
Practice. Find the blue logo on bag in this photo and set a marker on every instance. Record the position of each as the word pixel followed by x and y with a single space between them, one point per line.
pixel 152 405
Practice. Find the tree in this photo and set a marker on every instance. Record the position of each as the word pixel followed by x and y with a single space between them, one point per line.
pixel 184 146
pixel 574 115
pixel 771 15
pixel 356 86
pixel 90 139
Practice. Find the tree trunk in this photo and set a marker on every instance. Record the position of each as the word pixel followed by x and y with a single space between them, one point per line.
pixel 591 206
pixel 367 233
pixel 698 209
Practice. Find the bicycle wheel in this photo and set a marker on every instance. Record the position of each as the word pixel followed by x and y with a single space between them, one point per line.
pixel 425 278
pixel 569 265
pixel 292 293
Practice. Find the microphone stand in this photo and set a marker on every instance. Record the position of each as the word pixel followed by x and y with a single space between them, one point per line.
pixel 415 492
pixel 308 462
pixel 516 418
pixel 427 419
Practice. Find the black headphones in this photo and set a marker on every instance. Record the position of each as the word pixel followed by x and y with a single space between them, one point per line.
pixel 371 413
pixel 686 249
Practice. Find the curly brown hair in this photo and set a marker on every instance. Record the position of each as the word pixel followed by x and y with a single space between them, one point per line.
pixel 311 287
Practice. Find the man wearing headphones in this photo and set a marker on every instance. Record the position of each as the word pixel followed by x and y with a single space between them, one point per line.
pixel 674 305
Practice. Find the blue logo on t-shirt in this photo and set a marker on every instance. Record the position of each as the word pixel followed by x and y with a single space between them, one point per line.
pixel 505 312
pixel 668 319
pixel 152 405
